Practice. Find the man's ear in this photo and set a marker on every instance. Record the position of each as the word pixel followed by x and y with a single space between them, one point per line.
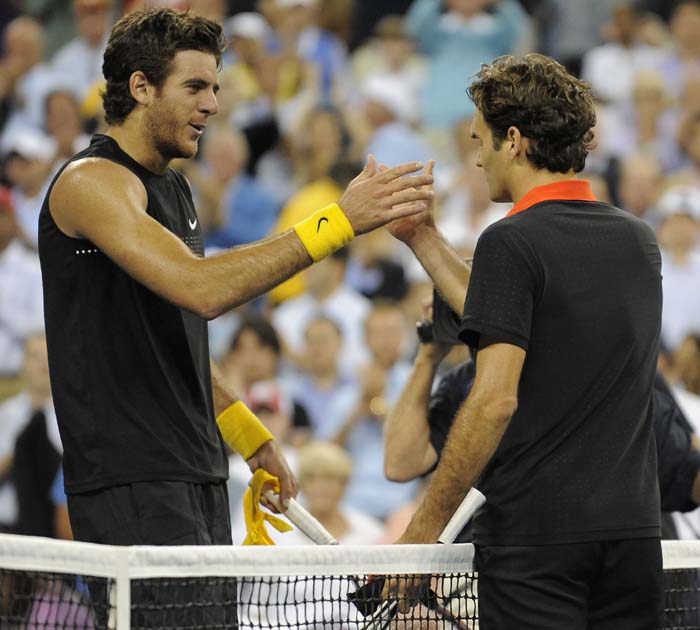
pixel 139 87
pixel 517 143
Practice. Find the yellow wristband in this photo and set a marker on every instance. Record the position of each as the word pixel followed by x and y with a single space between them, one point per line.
pixel 325 231
pixel 242 430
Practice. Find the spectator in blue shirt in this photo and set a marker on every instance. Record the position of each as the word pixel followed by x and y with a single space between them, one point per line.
pixel 234 207
pixel 457 42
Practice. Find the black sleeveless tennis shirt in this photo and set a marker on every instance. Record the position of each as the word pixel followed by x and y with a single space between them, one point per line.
pixel 129 370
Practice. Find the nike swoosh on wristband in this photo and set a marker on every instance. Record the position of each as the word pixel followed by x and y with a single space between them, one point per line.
pixel 193 224
pixel 318 225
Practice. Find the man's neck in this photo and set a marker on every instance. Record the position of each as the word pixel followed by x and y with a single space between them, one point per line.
pixel 529 178
pixel 131 140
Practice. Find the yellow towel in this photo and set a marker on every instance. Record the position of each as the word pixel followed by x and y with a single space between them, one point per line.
pixel 255 517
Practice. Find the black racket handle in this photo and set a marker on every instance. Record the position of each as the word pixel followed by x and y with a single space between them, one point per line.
pixel 368 598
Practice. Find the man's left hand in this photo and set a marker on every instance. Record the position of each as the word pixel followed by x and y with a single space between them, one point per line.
pixel 270 458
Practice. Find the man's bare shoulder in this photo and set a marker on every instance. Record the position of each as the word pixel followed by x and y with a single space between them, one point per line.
pixel 90 186
pixel 92 174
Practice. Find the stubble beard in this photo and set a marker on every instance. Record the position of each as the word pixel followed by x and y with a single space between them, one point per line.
pixel 164 130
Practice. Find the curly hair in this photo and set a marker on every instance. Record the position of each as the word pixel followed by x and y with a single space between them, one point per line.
pixel 550 107
pixel 148 41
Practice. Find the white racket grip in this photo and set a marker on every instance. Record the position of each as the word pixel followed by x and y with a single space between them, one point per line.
pixel 470 504
pixel 303 520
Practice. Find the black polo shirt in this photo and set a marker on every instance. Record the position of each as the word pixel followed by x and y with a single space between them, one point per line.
pixel 577 284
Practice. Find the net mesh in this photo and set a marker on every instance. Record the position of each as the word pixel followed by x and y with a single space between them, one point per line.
pixel 47 585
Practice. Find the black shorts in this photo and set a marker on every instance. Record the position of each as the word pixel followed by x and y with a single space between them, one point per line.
pixel 153 513
pixel 609 585
pixel 161 513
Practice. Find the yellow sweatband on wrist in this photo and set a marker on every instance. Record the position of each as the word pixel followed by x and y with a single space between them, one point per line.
pixel 325 231
pixel 242 430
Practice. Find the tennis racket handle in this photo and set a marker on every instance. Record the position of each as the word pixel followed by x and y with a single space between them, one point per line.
pixel 470 504
pixel 302 519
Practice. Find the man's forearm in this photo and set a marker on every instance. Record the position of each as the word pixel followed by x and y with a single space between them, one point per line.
pixel 223 395
pixel 407 447
pixel 475 435
pixel 236 276
pixel 448 271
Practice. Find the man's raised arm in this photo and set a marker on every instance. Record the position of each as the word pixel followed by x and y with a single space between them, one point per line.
pixel 105 203
pixel 449 273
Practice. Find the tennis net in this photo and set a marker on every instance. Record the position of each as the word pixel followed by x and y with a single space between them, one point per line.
pixel 47 585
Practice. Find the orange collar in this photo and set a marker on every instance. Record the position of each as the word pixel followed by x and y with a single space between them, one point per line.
pixel 566 190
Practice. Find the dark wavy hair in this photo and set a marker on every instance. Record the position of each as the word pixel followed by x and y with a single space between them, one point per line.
pixel 551 108
pixel 262 328
pixel 148 41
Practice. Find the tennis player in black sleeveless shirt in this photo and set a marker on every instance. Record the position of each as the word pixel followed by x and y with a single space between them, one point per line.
pixel 128 293
pixel 563 304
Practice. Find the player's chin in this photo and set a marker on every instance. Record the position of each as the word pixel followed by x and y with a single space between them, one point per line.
pixel 499 196
pixel 189 148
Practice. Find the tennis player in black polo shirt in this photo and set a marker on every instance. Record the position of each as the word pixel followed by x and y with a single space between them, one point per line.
pixel 564 307
pixel 128 291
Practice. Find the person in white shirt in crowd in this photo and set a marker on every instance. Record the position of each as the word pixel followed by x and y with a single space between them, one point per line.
pixel 29 157
pixel 79 62
pixel 327 294
pixel 321 388
pixel 684 61
pixel 391 111
pixel 625 53
pixel 30 448
pixel 21 298
pixel 646 123
pixel 361 433
pixel 324 471
pixel 65 125
pixel 391 54
pixel 641 179
pixel 678 210
pixel 25 79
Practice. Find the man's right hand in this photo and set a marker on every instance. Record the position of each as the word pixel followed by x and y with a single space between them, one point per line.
pixel 406 228
pixel 377 197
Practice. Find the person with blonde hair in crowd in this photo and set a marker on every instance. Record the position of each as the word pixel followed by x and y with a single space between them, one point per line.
pixel 325 470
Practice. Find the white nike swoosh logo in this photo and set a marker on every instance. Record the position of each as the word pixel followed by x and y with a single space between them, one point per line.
pixel 193 224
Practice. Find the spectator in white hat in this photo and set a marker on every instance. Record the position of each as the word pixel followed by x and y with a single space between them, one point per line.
pixel 390 113
pixel 29 157
pixel 678 212
pixel 391 53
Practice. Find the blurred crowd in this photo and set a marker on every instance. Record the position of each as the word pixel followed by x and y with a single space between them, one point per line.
pixel 309 88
